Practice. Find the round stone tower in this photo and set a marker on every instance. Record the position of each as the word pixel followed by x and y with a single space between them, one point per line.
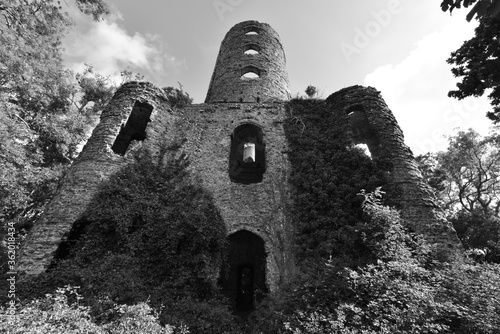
pixel 250 67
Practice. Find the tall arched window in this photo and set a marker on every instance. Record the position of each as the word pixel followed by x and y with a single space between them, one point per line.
pixel 362 131
pixel 134 128
pixel 247 159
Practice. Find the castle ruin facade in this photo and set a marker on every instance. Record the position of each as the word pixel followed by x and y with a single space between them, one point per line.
pixel 237 147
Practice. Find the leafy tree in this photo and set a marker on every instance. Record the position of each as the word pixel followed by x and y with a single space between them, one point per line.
pixel 32 74
pixel 477 61
pixel 41 130
pixel 97 8
pixel 311 91
pixel 177 97
pixel 467 175
pixel 479 233
pixel 481 8
pixel 466 178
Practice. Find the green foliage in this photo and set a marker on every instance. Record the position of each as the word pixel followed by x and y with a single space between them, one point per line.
pixel 152 235
pixel 402 292
pixel 477 63
pixel 327 175
pixel 40 130
pixel 97 8
pixel 311 91
pixel 466 175
pixel 479 234
pixel 63 312
pixel 482 8
pixel 177 97
pixel 466 180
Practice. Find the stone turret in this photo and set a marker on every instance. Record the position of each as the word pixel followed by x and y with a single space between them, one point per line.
pixel 373 124
pixel 251 66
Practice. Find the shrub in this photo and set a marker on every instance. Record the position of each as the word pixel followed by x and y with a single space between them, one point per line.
pixel 151 234
pixel 62 312
pixel 402 292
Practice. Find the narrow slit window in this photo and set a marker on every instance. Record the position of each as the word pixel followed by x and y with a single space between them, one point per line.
pixel 134 128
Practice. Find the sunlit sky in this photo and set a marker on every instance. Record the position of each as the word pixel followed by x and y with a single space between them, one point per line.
pixel 399 47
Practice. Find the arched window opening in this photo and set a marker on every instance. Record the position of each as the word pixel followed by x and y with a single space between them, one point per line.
pixel 252 31
pixel 363 134
pixel 243 275
pixel 247 159
pixel 134 128
pixel 364 148
pixel 359 123
pixel 252 49
pixel 250 72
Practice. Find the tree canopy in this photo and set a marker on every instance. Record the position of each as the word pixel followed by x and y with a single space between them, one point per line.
pixel 466 179
pixel 467 175
pixel 477 61
pixel 480 8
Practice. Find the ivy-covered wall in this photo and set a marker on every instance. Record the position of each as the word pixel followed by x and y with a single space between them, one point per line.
pixel 406 189
pixel 327 174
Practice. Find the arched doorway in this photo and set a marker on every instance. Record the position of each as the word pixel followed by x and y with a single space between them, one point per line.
pixel 243 276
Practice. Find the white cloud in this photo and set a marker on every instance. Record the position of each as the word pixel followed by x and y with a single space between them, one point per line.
pixel 416 91
pixel 109 48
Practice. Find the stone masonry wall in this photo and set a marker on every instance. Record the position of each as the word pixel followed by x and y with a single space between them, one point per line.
pixel 95 164
pixel 412 196
pixel 228 86
pixel 260 208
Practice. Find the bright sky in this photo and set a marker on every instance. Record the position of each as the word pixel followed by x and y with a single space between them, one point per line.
pixel 399 47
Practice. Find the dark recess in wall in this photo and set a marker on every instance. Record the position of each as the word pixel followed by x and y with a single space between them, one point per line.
pixel 134 129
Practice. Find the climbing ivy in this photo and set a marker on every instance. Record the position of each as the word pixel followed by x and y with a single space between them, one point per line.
pixel 151 234
pixel 327 174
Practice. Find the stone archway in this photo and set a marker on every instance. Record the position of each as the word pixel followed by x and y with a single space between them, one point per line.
pixel 243 276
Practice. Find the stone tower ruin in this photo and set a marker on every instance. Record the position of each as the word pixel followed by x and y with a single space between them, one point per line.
pixel 237 148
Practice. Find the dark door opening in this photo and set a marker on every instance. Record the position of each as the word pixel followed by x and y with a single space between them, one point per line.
pixel 245 289
pixel 243 275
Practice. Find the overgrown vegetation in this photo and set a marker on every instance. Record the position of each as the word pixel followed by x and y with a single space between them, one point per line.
pixel 147 253
pixel 361 271
pixel 327 174
pixel 404 291
pixel 63 312
pixel 476 62
pixel 150 235
pixel 466 180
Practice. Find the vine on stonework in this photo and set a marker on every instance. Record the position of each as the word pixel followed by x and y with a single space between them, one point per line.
pixel 327 174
